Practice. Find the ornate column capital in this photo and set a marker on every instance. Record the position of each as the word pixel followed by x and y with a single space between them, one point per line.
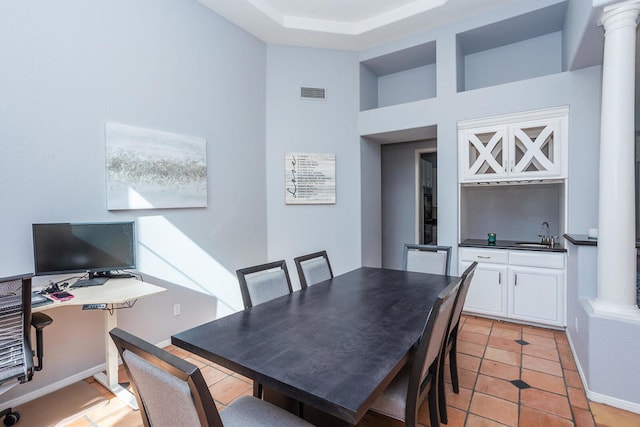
pixel 620 15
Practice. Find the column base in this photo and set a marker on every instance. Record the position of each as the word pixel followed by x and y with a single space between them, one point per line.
pixel 615 311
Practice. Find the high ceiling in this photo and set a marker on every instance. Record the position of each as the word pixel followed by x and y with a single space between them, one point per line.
pixel 343 24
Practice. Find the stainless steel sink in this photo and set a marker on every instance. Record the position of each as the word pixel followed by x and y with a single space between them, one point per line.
pixel 533 245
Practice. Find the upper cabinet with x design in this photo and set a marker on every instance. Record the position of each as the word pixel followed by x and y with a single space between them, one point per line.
pixel 515 147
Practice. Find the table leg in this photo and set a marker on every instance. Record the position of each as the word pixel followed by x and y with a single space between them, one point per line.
pixel 110 379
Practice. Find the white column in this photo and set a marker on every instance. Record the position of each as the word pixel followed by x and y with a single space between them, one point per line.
pixel 616 221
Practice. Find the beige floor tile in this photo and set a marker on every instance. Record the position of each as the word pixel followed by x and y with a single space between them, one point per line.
pixel 229 389
pixel 573 379
pixel 472 349
pixel 477 329
pixel 504 343
pixel 583 418
pixel 473 337
pixel 577 398
pixel 458 400
pixel 212 375
pixel 500 370
pixel 545 401
pixel 504 356
pixel 476 421
pixel 530 417
pixel 497 387
pixel 543 381
pixel 507 333
pixel 543 332
pixel 466 378
pixel 605 415
pixel 495 409
pixel 542 340
pixel 566 358
pixel 541 365
pixel 541 352
pixel 469 363
pixel 456 417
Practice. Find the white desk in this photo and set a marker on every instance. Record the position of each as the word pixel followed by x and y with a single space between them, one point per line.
pixel 115 293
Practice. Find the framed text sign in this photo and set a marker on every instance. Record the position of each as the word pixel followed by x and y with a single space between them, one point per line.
pixel 310 178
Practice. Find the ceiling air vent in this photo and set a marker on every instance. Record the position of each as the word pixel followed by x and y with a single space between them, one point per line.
pixel 312 93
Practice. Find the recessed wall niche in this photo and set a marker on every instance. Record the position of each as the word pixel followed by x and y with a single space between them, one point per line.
pixel 396 78
pixel 520 48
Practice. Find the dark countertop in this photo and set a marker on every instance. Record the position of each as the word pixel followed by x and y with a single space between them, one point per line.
pixel 507 244
pixel 581 239
pixel 584 240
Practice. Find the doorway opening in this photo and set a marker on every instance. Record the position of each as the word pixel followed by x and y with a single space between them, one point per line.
pixel 427 196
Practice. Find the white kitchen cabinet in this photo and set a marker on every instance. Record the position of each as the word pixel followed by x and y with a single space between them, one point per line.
pixel 536 295
pixel 488 291
pixel 516 284
pixel 514 147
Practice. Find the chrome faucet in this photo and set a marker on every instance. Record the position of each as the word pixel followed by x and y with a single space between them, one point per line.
pixel 546 237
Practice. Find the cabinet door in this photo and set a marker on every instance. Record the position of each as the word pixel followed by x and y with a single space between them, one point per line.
pixel 483 153
pixel 534 149
pixel 536 295
pixel 488 290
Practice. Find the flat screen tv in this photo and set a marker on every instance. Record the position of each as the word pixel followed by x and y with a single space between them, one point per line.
pixel 97 248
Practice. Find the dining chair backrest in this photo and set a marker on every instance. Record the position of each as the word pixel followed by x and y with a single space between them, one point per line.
pixel 169 390
pixel 426 359
pixel 313 268
pixel 431 259
pixel 173 392
pixel 262 283
pixel 465 283
pixel 449 347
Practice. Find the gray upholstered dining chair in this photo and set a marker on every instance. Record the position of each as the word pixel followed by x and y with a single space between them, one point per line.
pixel 313 268
pixel 419 379
pixel 172 392
pixel 450 346
pixel 427 258
pixel 262 283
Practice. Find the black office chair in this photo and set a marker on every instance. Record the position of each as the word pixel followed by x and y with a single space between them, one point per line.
pixel 451 341
pixel 16 356
pixel 172 392
pixel 262 283
pixel 431 259
pixel 419 380
pixel 313 268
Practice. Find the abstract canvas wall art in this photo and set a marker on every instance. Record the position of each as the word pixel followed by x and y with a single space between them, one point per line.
pixel 152 169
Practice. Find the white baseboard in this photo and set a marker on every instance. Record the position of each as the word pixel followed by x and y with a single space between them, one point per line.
pixel 164 343
pixel 597 397
pixel 80 376
pixel 612 401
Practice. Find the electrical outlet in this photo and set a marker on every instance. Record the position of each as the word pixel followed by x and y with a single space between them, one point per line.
pixel 176 309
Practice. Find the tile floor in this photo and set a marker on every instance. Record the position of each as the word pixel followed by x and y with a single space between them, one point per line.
pixel 510 375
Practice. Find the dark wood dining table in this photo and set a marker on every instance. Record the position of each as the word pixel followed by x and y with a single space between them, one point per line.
pixel 334 346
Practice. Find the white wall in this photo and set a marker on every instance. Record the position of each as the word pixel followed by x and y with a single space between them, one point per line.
pixel 407 86
pixel 67 68
pixel 313 126
pixel 517 61
pixel 399 220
